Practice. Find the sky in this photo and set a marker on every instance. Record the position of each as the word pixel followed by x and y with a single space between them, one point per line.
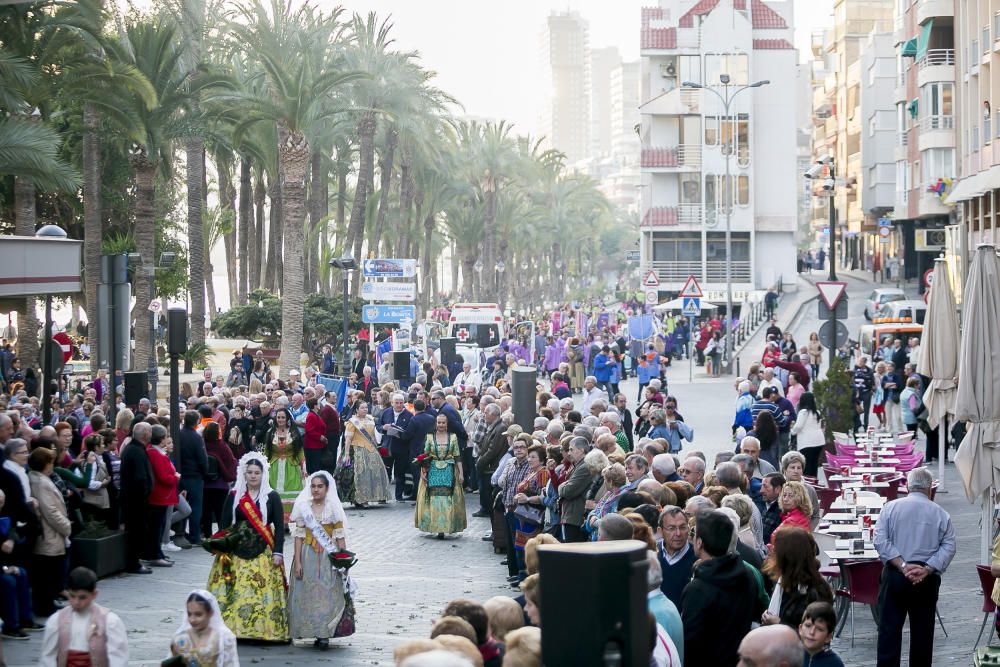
pixel 487 58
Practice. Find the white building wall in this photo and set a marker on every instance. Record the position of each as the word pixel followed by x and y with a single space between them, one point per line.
pixel 603 62
pixel 878 129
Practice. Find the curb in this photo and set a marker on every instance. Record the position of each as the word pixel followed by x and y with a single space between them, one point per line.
pixel 791 322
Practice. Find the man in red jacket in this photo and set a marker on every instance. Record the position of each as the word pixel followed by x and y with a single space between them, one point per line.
pixel 314 440
pixel 328 413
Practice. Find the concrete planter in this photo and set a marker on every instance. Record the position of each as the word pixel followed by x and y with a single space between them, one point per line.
pixel 103 555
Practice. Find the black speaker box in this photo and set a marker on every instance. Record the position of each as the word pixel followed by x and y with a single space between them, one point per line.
pixel 607 606
pixel 136 387
pixel 400 365
pixel 448 351
pixel 176 331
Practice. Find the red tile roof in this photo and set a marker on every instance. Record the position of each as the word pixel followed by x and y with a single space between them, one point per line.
pixel 772 44
pixel 651 13
pixel 658 38
pixel 762 16
pixel 660 216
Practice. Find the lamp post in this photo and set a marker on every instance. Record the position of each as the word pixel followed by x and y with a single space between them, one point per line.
pixel 345 264
pixel 825 170
pixel 48 232
pixel 727 98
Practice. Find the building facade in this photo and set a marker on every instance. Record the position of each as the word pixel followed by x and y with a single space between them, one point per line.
pixel 687 140
pixel 565 118
pixel 924 35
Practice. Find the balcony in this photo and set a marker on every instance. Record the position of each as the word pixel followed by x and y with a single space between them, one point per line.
pixel 930 204
pixel 932 9
pixel 937 65
pixel 715 271
pixel 671 216
pixel 936 132
pixel 691 98
pixel 686 157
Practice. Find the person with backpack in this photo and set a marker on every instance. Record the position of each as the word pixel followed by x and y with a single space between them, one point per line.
pixel 221 472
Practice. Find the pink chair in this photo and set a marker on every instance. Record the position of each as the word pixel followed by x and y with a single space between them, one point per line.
pixel 908 463
pixel 847 450
pixel 860 585
pixel 986 581
pixel 826 497
pixel 838 461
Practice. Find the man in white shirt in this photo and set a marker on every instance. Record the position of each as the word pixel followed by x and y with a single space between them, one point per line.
pixel 591 392
pixel 468 378
pixel 94 636
pixel 768 380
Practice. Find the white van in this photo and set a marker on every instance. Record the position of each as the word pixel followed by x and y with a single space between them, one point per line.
pixel 477 324
pixel 908 310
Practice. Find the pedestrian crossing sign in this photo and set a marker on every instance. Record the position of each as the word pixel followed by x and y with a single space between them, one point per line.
pixel 690 306
pixel 691 288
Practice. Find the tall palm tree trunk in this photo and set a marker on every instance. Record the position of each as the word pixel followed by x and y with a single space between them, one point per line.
pixel 293 160
pixel 454 268
pixel 195 177
pixel 27 320
pixel 425 269
pixel 257 240
pixel 145 245
pixel 366 179
pixel 317 176
pixel 245 240
pixel 92 230
pixel 385 168
pixel 272 281
pixel 227 200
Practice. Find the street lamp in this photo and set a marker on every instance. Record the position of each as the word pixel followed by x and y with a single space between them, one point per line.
pixel 825 170
pixel 727 99
pixel 345 264
pixel 47 232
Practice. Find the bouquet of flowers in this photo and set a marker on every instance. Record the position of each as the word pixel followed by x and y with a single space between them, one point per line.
pixel 343 559
pixel 422 461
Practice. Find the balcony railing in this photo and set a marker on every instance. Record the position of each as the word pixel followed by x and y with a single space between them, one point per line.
pixel 940 122
pixel 683 156
pixel 670 216
pixel 937 58
pixel 902 138
pixel 714 271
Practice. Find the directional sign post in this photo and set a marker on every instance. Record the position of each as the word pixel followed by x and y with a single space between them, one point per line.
pixel 389 268
pixel 691 306
pixel 384 314
pixel 389 292
pixel 832 293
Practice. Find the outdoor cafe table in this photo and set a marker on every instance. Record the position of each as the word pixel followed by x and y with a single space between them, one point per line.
pixel 870 502
pixel 844 517
pixel 840 529
pixel 857 483
pixel 871 470
pixel 889 460
pixel 846 545
pixel 847 554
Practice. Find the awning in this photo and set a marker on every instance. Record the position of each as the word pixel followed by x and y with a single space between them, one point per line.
pixel 924 39
pixel 912 108
pixel 975 185
pixel 962 190
pixel 909 48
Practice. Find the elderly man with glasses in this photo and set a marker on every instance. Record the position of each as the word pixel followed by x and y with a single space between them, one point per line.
pixel 675 553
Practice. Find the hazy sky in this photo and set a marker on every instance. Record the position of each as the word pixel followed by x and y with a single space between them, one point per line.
pixel 486 54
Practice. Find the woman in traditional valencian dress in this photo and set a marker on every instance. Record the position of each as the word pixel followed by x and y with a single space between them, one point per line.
pixel 248 575
pixel 361 439
pixel 285 455
pixel 440 500
pixel 203 640
pixel 319 598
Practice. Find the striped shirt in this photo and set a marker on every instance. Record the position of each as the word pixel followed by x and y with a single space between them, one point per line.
pixel 513 474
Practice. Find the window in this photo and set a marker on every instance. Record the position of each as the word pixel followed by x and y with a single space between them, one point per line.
pixel 742 137
pixel 937 163
pixel 996 26
pixel 677 249
pixel 711 130
pixel 974 52
pixel 736 65
pixel 986 39
pixel 715 190
pixel 715 246
pixel 690 68
pixel 937 99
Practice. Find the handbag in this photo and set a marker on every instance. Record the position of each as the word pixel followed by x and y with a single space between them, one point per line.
pixel 529 513
pixel 346 627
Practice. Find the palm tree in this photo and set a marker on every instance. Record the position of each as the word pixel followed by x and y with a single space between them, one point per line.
pixel 304 70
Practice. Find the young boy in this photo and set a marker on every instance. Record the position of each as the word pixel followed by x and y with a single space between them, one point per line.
pixel 816 630
pixel 84 633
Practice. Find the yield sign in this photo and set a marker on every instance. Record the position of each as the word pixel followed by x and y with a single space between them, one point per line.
pixel 691 288
pixel 651 279
pixel 831 292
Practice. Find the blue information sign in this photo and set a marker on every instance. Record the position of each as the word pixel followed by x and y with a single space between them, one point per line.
pixel 386 314
pixel 691 306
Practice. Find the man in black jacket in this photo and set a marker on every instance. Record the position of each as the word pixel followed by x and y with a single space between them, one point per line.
pixel 621 403
pixel 136 483
pixel 421 425
pixel 491 450
pixel 721 601
pixel 456 426
pixel 194 467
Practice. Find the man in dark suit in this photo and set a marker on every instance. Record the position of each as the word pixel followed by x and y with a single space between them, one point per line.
pixel 394 440
pixel 573 493
pixel 491 450
pixel 455 426
pixel 421 425
pixel 194 468
pixel 621 402
pixel 136 483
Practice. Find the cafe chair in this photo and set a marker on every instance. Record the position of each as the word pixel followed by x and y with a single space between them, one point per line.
pixel 860 581
pixel 826 497
pixel 986 581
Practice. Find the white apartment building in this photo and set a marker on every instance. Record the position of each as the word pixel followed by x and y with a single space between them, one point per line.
pixel 878 129
pixel 687 139
pixel 565 118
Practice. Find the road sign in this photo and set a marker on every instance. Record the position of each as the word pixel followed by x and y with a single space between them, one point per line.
pixel 830 292
pixel 884 232
pixel 65 344
pixel 691 306
pixel 386 314
pixel 691 288
pixel 651 279
pixel 652 296
pixel 389 292
pixel 389 268
pixel 928 277
pixel 826 334
pixel 155 306
pixel 631 255
pixel 884 222
pixel 824 310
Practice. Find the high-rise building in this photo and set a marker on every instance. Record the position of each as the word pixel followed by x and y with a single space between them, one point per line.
pixel 687 140
pixel 565 106
pixel 603 63
pixel 877 185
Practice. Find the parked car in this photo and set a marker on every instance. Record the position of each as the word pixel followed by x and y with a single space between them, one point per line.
pixel 879 297
pixel 907 310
